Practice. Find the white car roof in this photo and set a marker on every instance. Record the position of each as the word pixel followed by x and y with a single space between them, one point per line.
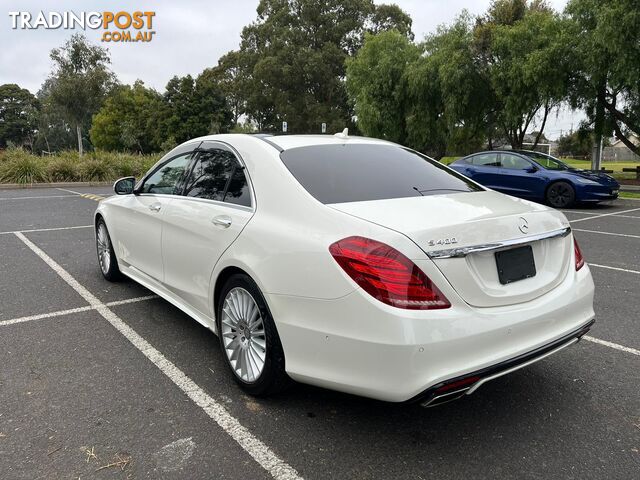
pixel 286 142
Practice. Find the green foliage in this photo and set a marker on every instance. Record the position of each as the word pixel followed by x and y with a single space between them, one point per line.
pixel 79 81
pixel 576 144
pixel 18 115
pixel 61 169
pixel 477 79
pixel 195 107
pixel 129 120
pixel 18 166
pixel 291 62
pixel 606 61
pixel 376 81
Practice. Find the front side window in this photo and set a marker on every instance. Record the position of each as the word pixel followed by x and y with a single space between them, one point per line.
pixel 514 162
pixel 547 161
pixel 166 179
pixel 362 172
pixel 217 175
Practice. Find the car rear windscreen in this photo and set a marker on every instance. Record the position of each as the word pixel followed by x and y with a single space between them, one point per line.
pixel 361 172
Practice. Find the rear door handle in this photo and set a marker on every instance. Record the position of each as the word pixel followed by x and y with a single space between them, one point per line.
pixel 155 207
pixel 223 221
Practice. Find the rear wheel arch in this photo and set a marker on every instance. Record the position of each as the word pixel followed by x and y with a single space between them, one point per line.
pixel 222 278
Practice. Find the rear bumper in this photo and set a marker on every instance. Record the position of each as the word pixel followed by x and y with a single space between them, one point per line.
pixel 358 345
pixel 457 387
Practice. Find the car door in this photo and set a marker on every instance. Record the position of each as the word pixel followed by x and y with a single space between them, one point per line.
pixel 215 205
pixel 138 222
pixel 484 169
pixel 520 177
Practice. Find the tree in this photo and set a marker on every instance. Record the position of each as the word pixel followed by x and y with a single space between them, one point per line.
pixel 195 107
pixel 451 97
pixel 521 53
pixel 606 53
pixel 376 82
pixel 129 119
pixel 292 60
pixel 390 17
pixel 18 115
pixel 575 144
pixel 79 82
pixel 229 74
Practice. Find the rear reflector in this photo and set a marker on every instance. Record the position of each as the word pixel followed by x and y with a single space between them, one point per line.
pixel 578 255
pixel 465 382
pixel 386 274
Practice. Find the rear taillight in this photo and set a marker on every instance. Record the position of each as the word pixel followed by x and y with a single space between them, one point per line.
pixel 578 255
pixel 386 274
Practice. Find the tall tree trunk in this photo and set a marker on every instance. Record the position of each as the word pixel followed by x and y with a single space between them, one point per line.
pixel 79 132
pixel 544 122
pixel 598 127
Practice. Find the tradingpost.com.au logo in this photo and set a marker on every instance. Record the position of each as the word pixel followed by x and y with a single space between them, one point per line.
pixel 118 26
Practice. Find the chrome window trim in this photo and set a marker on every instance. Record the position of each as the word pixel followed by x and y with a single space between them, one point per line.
pixel 197 199
pixel 486 247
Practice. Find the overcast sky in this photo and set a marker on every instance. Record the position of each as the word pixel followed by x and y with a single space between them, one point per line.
pixel 190 36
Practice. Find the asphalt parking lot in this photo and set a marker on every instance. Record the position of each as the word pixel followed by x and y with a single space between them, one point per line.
pixel 101 380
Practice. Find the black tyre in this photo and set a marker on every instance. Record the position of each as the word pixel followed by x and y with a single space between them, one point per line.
pixel 249 339
pixel 106 256
pixel 561 195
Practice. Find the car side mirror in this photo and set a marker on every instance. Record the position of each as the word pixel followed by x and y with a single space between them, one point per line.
pixel 124 186
pixel 531 169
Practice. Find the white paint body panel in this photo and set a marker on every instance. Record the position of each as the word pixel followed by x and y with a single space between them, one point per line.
pixel 333 333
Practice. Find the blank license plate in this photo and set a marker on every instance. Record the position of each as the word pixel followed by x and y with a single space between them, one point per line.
pixel 515 264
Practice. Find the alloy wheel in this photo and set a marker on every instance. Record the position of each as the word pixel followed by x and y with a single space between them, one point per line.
pixel 104 248
pixel 243 335
pixel 560 195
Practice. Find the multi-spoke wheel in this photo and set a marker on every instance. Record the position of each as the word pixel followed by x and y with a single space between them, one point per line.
pixel 561 195
pixel 243 337
pixel 249 338
pixel 106 256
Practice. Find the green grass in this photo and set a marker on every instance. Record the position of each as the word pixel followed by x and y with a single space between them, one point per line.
pixel 19 166
pixel 630 195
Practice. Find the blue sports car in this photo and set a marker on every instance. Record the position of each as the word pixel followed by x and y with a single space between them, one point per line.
pixel 536 176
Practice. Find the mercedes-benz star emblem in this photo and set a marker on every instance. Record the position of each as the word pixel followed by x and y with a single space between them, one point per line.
pixel 523 226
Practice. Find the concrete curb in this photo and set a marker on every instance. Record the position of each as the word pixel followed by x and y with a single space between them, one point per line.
pixel 15 186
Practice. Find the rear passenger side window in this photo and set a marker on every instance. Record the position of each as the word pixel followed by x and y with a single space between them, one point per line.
pixel 217 175
pixel 486 160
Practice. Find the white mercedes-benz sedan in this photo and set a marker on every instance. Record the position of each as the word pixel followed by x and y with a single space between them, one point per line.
pixel 349 263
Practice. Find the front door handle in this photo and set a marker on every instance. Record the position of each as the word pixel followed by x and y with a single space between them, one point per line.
pixel 223 221
pixel 155 207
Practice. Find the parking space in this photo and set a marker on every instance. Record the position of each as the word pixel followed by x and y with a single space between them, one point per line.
pixel 127 386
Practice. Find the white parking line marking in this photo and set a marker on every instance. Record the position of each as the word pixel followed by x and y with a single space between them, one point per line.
pixel 604 215
pixel 13 232
pixel 41 196
pixel 70 191
pixel 260 452
pixel 595 214
pixel 41 316
pixel 614 268
pixel 60 313
pixel 622 348
pixel 607 233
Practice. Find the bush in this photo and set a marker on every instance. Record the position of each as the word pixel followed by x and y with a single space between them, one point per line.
pixel 18 166
pixel 93 169
pixel 63 169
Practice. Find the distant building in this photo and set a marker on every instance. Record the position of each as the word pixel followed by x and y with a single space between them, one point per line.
pixel 619 152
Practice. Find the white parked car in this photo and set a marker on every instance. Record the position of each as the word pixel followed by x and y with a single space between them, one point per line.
pixel 349 263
